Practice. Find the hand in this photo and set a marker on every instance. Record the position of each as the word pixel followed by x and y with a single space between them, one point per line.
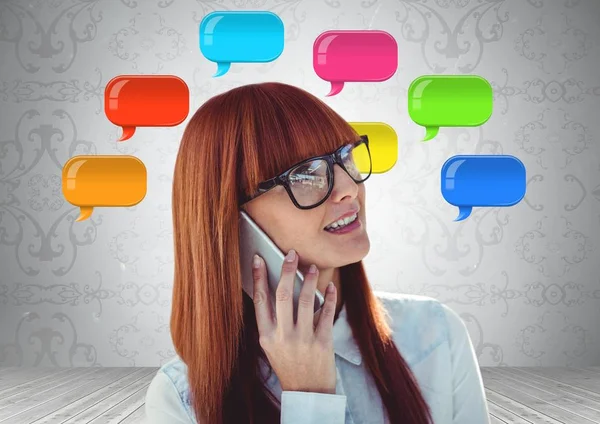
pixel 301 355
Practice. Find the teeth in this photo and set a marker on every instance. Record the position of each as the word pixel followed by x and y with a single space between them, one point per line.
pixel 341 222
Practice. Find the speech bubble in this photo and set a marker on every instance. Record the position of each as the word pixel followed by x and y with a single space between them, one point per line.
pixel 103 180
pixel 482 180
pixel 383 146
pixel 244 37
pixel 132 101
pixel 341 56
pixel 436 101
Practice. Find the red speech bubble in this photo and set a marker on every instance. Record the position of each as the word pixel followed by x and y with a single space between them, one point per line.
pixel 354 56
pixel 132 101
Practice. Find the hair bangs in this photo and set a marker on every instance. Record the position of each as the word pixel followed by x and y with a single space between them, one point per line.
pixel 283 126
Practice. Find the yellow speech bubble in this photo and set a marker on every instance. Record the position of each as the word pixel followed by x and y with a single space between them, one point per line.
pixel 103 180
pixel 383 145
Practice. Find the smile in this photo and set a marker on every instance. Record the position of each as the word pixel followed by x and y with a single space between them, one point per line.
pixel 341 223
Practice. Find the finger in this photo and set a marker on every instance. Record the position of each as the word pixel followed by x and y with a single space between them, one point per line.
pixel 324 331
pixel 284 306
pixel 262 304
pixel 306 302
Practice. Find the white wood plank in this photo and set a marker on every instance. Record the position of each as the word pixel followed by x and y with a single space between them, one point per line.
pixel 506 416
pixel 51 393
pixel 565 386
pixel 34 381
pixel 519 409
pixel 577 395
pixel 8 370
pixel 497 383
pixel 124 408
pixel 136 417
pixel 71 374
pixel 111 401
pixel 496 420
pixel 23 375
pixel 592 369
pixel 556 397
pixel 91 397
pixel 106 376
pixel 4 371
pixel 567 375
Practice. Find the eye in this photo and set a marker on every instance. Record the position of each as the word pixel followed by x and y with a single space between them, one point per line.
pixel 310 174
pixel 304 179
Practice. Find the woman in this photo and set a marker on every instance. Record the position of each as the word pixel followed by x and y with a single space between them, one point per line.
pixel 372 357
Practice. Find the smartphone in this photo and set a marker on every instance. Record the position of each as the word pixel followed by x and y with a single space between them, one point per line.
pixel 254 240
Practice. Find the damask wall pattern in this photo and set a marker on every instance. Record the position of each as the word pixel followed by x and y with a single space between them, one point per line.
pixel 525 279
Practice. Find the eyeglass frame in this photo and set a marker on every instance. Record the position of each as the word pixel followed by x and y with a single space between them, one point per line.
pixel 330 158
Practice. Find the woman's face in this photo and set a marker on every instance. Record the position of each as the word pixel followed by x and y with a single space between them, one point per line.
pixel 304 230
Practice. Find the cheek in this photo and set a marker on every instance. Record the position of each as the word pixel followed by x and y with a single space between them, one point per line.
pixel 362 200
pixel 295 233
pixel 305 235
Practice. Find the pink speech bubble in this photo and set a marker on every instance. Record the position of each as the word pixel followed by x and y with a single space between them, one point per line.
pixel 341 56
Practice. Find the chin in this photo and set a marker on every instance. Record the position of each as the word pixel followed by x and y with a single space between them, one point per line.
pixel 355 253
pixel 352 254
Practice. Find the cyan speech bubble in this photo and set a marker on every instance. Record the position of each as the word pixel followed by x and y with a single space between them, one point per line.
pixel 234 36
pixel 482 180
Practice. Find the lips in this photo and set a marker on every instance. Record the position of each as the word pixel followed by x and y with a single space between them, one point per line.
pixel 351 227
pixel 345 215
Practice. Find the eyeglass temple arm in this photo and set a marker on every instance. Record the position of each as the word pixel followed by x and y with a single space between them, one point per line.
pixel 262 187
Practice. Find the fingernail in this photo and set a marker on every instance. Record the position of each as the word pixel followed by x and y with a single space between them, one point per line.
pixel 330 287
pixel 256 261
pixel 291 256
pixel 312 269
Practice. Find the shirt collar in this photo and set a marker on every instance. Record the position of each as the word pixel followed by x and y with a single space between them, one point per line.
pixel 344 344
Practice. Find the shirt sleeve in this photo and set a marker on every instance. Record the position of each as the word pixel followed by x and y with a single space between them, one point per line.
pixel 163 404
pixel 312 408
pixel 470 403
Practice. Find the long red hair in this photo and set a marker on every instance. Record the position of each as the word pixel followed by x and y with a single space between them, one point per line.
pixel 232 142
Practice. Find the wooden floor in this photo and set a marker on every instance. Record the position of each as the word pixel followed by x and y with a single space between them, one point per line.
pixel 116 395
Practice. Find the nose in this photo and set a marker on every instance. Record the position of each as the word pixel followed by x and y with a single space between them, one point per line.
pixel 344 186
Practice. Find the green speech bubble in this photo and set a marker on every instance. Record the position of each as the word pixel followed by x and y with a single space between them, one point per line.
pixel 436 101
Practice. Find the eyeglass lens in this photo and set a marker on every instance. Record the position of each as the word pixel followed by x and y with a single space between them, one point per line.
pixel 309 181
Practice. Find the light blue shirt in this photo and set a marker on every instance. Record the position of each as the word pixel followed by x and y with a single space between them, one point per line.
pixel 431 338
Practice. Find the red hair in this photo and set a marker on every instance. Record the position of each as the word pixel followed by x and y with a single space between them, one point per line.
pixel 234 141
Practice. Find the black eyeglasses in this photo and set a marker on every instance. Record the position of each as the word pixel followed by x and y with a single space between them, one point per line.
pixel 310 182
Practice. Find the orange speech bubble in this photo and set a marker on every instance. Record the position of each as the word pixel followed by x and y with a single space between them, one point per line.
pixel 132 101
pixel 103 180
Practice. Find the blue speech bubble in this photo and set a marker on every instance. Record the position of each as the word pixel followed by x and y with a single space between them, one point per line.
pixel 482 180
pixel 247 36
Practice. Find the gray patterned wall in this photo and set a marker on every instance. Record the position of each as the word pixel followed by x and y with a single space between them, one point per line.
pixel 525 279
